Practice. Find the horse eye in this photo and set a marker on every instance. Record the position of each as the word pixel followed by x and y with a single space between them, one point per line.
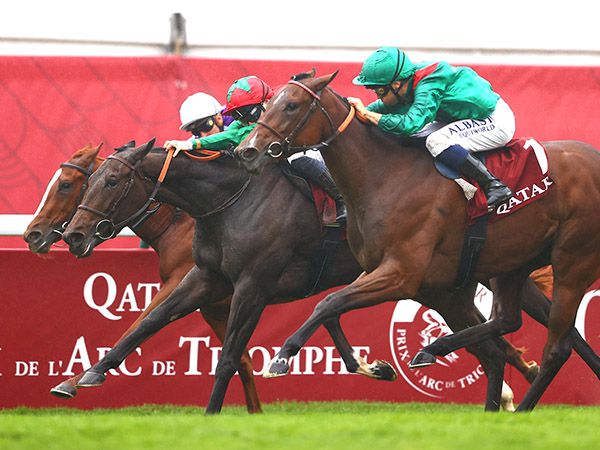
pixel 111 182
pixel 64 185
pixel 291 106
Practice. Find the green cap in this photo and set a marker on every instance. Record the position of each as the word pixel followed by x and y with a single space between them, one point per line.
pixel 384 66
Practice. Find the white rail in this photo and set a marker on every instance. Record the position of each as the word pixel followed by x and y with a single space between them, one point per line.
pixel 15 225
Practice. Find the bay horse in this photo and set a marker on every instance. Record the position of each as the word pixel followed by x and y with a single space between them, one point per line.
pixel 406 225
pixel 256 238
pixel 169 231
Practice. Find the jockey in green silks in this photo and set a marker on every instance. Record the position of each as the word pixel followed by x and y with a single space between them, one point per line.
pixel 246 100
pixel 453 107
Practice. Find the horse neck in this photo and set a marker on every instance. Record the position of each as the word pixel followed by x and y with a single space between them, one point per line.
pixel 362 157
pixel 154 230
pixel 197 187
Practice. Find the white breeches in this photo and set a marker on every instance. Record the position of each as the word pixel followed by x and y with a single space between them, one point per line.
pixel 474 135
pixel 314 154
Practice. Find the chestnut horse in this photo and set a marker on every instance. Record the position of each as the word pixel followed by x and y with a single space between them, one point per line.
pixel 257 238
pixel 168 231
pixel 406 225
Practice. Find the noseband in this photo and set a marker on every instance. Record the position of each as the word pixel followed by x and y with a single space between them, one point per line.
pixel 282 147
pixel 138 216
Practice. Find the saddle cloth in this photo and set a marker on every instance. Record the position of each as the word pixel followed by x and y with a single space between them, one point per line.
pixel 523 166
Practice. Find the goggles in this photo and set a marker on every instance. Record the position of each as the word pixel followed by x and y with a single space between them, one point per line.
pixel 380 91
pixel 201 126
pixel 248 113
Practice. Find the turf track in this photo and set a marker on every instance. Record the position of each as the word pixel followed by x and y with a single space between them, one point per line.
pixel 333 425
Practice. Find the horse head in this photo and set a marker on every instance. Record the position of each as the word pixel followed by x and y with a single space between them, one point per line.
pixel 64 192
pixel 301 116
pixel 111 201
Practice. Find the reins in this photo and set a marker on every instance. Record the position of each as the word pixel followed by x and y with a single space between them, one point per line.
pixel 143 212
pixel 283 146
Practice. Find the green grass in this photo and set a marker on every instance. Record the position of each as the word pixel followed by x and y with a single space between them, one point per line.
pixel 335 425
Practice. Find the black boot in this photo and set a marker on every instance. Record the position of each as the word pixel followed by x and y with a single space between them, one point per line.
pixel 317 172
pixel 495 191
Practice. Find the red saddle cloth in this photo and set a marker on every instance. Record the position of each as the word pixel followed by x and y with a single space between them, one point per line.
pixel 523 166
pixel 324 204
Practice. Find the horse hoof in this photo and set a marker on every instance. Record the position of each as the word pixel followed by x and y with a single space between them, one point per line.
pixel 64 390
pixel 277 368
pixel 91 379
pixel 379 370
pixel 422 359
pixel 384 370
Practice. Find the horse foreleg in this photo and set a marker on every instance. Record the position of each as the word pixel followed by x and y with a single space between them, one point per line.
pixel 506 319
pixel 537 305
pixel 196 289
pixel 367 290
pixel 245 310
pixel 68 388
pixel 216 316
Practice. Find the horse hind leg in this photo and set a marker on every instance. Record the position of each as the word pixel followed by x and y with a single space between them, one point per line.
pixel 559 344
pixel 378 369
pixel 537 306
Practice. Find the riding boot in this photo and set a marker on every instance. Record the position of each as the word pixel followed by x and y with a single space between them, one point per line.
pixel 317 172
pixel 495 191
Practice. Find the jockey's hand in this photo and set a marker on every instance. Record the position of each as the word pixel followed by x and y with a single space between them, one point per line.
pixel 178 146
pixel 359 108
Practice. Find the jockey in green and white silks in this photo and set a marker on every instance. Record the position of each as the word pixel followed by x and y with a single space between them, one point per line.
pixel 454 107
pixel 246 100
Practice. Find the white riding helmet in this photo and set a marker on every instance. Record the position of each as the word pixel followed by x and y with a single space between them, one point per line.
pixel 198 106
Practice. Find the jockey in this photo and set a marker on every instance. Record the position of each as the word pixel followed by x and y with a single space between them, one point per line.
pixel 453 106
pixel 246 100
pixel 201 115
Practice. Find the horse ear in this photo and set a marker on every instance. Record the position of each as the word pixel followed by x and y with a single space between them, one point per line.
pixel 304 75
pixel 97 149
pixel 322 82
pixel 144 149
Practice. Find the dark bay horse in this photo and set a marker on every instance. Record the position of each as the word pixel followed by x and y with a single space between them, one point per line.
pixel 406 225
pixel 168 230
pixel 257 238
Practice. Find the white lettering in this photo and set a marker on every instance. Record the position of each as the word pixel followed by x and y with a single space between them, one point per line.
pixel 193 368
pixel 27 369
pixel 148 294
pixel 79 356
pixel 110 295
pixel 128 298
pixel 166 368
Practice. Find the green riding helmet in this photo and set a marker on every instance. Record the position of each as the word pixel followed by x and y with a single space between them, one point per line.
pixel 384 66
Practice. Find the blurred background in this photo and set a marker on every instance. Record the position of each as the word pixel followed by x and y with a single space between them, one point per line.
pixel 73 73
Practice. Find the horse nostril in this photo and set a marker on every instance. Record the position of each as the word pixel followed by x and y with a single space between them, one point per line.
pixel 32 237
pixel 73 238
pixel 249 153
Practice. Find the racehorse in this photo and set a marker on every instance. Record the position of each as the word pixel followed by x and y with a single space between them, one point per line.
pixel 168 230
pixel 406 225
pixel 258 238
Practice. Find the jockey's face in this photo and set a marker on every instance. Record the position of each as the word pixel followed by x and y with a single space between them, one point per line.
pixel 397 93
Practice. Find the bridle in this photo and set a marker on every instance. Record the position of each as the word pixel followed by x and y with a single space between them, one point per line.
pixel 283 147
pixel 141 214
pixel 87 172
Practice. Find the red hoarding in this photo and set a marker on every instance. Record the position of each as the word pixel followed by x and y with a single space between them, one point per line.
pixel 59 314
